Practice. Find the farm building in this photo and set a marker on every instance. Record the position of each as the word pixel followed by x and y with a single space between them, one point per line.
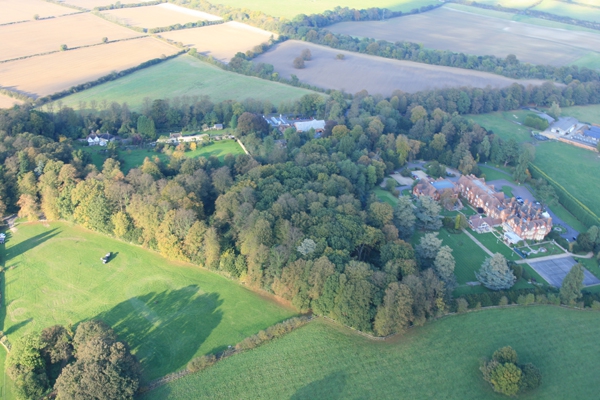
pixel 591 135
pixel 96 139
pixel 564 126
pixel 304 126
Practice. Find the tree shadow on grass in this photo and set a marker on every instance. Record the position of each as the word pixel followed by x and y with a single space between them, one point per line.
pixel 331 387
pixel 17 326
pixel 164 330
pixel 26 245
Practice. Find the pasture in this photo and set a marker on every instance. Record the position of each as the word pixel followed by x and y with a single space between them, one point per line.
pixel 480 35
pixel 168 312
pixel 160 15
pixel 574 168
pixel 438 360
pixel 377 75
pixel 8 102
pixel 51 73
pixel 91 4
pixel 135 158
pixel 35 37
pixel 587 114
pixel 25 10
pixel 184 76
pixel 570 10
pixel 221 41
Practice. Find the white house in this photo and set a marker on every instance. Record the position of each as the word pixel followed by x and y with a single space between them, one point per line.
pixel 564 126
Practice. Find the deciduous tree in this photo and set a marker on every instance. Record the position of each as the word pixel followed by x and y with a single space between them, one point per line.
pixel 570 290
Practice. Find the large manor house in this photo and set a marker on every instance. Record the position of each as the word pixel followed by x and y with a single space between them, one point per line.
pixel 519 219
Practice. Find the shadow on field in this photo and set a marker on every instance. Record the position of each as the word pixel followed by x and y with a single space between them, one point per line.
pixel 330 387
pixel 18 326
pixel 165 329
pixel 28 244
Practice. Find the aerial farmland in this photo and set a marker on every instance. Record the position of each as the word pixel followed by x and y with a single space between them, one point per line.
pixel 36 37
pixel 481 35
pixel 221 41
pixel 27 10
pixel 164 14
pixel 374 74
pixel 65 69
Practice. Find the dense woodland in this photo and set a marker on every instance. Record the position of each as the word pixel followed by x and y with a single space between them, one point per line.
pixel 297 218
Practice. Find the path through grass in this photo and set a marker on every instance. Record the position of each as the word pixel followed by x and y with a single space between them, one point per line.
pixel 438 360
pixel 167 312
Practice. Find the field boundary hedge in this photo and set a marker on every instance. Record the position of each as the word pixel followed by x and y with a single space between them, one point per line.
pixel 202 362
pixel 571 203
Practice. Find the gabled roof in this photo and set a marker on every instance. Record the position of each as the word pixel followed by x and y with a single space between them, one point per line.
pixel 594 132
pixel 308 125
pixel 564 123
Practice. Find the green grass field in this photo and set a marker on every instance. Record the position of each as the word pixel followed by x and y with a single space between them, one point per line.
pixel 386 196
pixel 168 312
pixel 135 158
pixel 551 249
pixel 6 390
pixel 569 10
pixel 574 168
pixel 495 245
pixel 589 114
pixel 184 76
pixel 437 361
pixel 292 8
pixel 501 123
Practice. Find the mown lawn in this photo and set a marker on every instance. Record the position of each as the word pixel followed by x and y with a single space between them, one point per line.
pixel 184 76
pixel 437 361
pixel 135 158
pixel 505 124
pixel 168 312
pixel 386 196
pixel 6 385
pixel 495 245
pixel 574 168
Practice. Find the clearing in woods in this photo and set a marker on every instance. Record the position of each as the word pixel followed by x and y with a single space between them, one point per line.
pixel 51 73
pixel 161 15
pixel 168 312
pixel 289 9
pixel 25 10
pixel 36 37
pixel 438 360
pixel 221 41
pixel 184 76
pixel 377 75
pixel 8 102
pixel 480 35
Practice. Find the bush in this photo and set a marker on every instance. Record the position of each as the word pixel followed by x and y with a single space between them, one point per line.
pixel 200 363
pixel 462 305
pixel 508 377
pixel 503 301
pixel 536 122
pixel 299 63
pixel 517 270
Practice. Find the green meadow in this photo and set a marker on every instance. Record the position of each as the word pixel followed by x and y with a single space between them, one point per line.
pixel 168 312
pixel 183 76
pixel 435 361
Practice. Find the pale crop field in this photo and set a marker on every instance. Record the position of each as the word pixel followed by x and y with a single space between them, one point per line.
pixel 221 41
pixel 519 4
pixel 51 73
pixel 158 16
pixel 24 10
pixel 289 9
pixel 36 37
pixel 375 74
pixel 8 102
pixel 91 4
pixel 468 33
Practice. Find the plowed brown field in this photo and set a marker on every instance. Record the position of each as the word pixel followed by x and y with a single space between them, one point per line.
pixel 47 74
pixel 375 74
pixel 221 41
pixel 35 37
pixel 24 10
pixel 449 29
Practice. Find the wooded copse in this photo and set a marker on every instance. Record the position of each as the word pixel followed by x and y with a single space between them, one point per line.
pixel 298 220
